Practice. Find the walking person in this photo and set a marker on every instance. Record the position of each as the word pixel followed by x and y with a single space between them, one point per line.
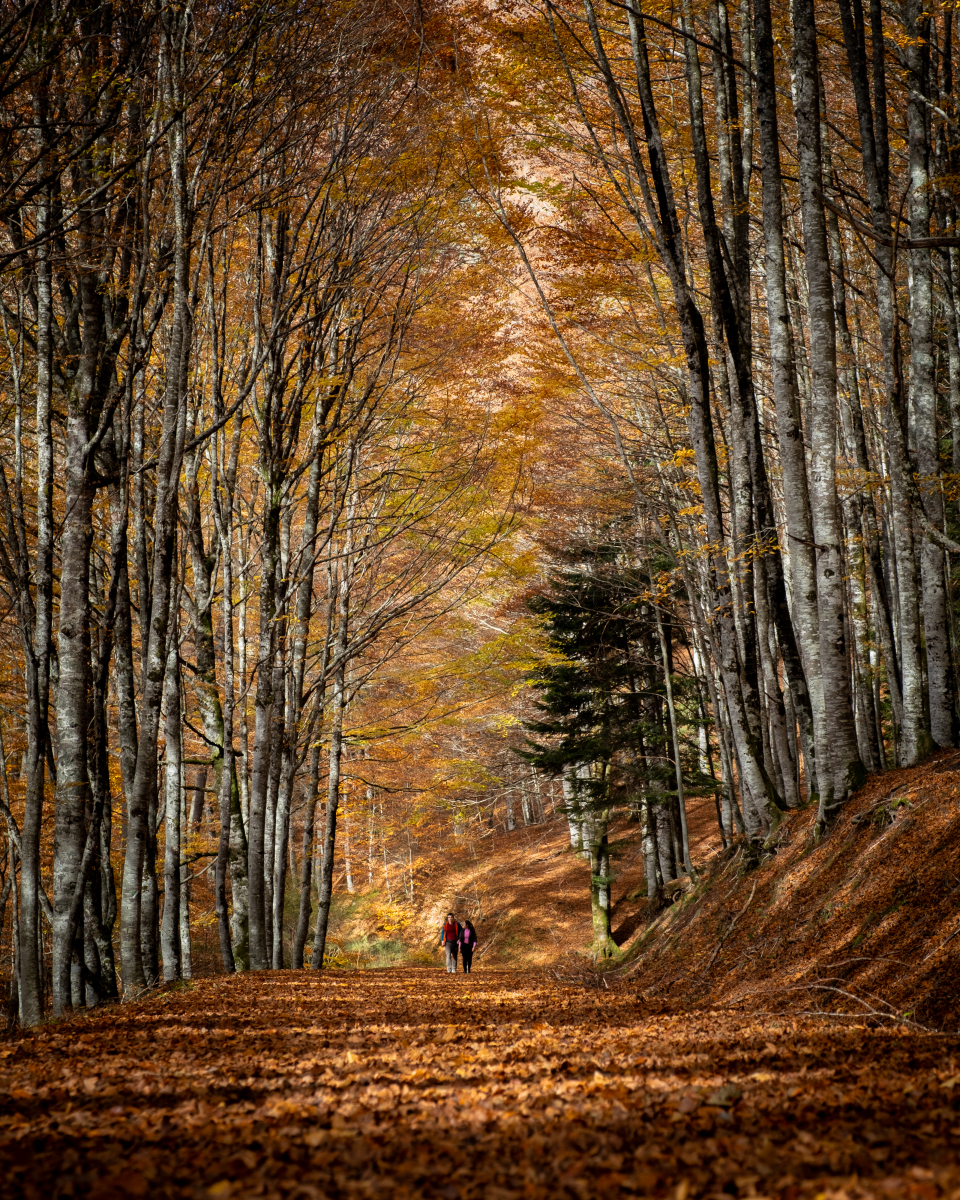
pixel 450 940
pixel 468 943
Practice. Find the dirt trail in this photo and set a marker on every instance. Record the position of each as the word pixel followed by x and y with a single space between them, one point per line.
pixel 410 1083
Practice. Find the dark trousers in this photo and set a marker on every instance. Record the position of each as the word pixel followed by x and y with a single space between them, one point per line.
pixel 467 953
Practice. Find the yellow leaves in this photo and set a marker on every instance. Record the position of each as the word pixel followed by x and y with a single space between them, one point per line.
pixel 390 917
pixel 756 547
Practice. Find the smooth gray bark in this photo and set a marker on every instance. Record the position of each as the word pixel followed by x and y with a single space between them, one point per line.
pixel 796 496
pixel 172 775
pixel 36 644
pixel 74 796
pixel 208 691
pixel 262 743
pixel 870 93
pixel 923 393
pixel 675 742
pixel 298 656
pixel 840 769
pixel 306 866
pixel 169 459
pixel 227 792
pixel 337 708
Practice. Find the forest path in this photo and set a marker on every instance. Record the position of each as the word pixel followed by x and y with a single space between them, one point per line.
pixel 408 1082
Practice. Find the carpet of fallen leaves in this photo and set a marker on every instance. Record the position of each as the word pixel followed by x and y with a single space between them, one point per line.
pixel 865 920
pixel 410 1082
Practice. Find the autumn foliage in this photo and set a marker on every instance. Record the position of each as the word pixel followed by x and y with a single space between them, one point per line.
pixel 500 1084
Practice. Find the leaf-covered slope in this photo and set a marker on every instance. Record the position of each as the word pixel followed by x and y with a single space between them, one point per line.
pixel 526 890
pixel 867 920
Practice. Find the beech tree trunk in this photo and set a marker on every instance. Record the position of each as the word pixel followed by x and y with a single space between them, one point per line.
pixel 337 708
pixel 840 769
pixel 169 458
pixel 796 494
pixel 923 393
pixel 36 633
pixel 172 774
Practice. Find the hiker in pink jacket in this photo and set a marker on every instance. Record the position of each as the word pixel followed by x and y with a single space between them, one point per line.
pixel 468 943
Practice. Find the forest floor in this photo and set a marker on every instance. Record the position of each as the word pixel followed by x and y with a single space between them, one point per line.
pixel 407 1082
pixel 787 1027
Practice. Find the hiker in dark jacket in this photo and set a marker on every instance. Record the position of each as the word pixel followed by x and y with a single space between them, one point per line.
pixel 468 943
pixel 450 940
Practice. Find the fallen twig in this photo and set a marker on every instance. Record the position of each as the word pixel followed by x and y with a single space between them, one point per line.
pixel 486 946
pixel 868 1009
pixel 955 933
pixel 730 929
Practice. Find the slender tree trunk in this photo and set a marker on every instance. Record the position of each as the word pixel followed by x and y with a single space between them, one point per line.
pixel 663 839
pixel 571 804
pixel 371 806
pixel 306 867
pixel 227 795
pixel 143 794
pixel 286 770
pixel 675 740
pixel 603 945
pixel 871 98
pixel 36 650
pixel 347 866
pixel 74 799
pixel 840 769
pixel 333 788
pixel 786 768
pixel 866 717
pixel 208 696
pixel 100 891
pixel 649 849
pixel 338 706
pixel 172 773
pixel 796 496
pixel 262 740
pixel 923 394
pixel 186 946
pixel 952 321
pixel 271 829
